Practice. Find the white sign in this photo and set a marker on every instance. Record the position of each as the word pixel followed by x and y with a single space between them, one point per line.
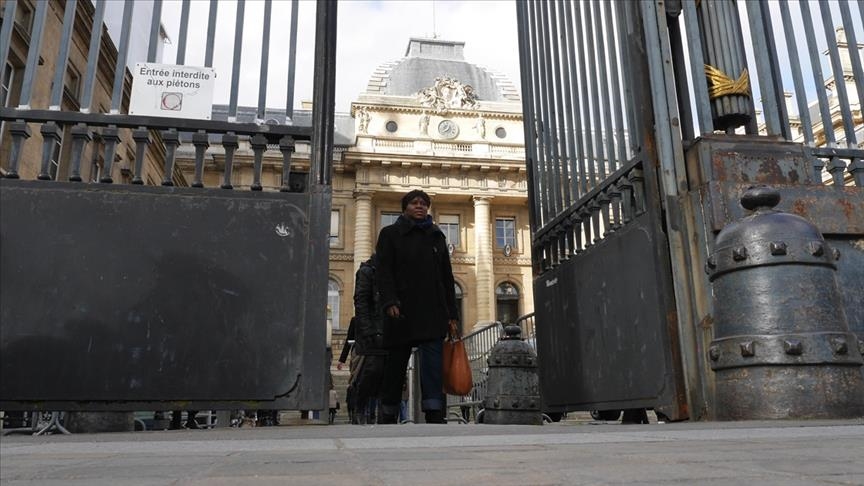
pixel 172 91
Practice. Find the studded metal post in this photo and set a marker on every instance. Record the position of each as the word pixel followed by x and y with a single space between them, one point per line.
pixel 513 387
pixel 780 347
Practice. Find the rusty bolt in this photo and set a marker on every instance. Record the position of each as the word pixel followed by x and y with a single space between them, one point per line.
pixel 515 360
pixel 714 353
pixel 793 347
pixel 748 349
pixel 839 345
pixel 739 254
pixel 532 404
pixel 835 253
pixel 496 404
pixel 778 248
pixel 816 248
pixel 515 404
pixel 711 264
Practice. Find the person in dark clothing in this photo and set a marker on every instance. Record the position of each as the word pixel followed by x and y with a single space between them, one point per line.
pixel 418 297
pixel 368 341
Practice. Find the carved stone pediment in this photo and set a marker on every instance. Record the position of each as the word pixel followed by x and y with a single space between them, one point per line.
pixel 448 93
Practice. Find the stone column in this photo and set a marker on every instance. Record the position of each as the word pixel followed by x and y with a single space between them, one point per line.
pixel 363 237
pixel 483 261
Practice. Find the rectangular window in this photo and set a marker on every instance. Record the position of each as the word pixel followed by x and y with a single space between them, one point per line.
pixel 72 83
pixel 24 18
pixel 449 224
pixel 388 218
pixel 334 228
pixel 505 232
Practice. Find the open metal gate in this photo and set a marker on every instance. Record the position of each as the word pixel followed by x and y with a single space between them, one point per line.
pixel 139 296
pixel 606 326
pixel 637 160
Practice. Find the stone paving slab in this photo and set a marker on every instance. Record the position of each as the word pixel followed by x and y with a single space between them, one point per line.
pixel 788 453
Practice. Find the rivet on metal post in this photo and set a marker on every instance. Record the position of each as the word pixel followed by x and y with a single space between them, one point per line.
pixel 816 248
pixel 739 254
pixel 748 349
pixel 793 347
pixel 839 345
pixel 778 248
pixel 835 253
pixel 714 353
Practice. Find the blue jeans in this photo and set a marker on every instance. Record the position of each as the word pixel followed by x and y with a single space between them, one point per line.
pixel 431 364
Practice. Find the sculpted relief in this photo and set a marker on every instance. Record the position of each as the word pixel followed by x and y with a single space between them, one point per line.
pixel 448 93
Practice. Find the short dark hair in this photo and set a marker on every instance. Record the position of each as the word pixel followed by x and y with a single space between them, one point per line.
pixel 407 198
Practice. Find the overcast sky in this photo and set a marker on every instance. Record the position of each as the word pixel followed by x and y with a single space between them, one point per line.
pixel 370 33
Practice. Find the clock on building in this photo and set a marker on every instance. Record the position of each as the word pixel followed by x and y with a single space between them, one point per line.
pixel 448 129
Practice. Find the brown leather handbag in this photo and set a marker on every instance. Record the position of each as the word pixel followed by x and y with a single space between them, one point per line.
pixel 457 369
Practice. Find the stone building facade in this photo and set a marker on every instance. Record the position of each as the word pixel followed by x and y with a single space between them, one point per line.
pixel 430 120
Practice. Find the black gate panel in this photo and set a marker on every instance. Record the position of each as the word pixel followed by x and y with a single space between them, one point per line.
pixel 143 294
pixel 606 343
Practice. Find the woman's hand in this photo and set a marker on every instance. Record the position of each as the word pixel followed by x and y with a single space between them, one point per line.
pixel 393 311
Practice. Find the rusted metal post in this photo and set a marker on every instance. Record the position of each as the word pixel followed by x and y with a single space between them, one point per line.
pixel 513 388
pixel 782 347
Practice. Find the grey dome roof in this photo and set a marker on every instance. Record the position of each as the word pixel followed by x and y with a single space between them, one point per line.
pixel 428 59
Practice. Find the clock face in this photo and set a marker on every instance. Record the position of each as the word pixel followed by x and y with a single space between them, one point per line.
pixel 448 129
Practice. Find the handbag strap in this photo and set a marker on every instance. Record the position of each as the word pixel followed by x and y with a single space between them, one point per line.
pixel 453 333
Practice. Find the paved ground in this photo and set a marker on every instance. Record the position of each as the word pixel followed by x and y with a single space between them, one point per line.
pixel 781 453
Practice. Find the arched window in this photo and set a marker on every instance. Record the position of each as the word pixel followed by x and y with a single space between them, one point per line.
pixel 333 303
pixel 459 305
pixel 506 303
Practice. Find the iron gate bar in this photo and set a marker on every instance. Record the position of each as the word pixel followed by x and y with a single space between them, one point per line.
pixel 700 86
pixel 265 57
pixel 32 54
pixel 6 30
pixel 211 33
pixel 764 50
pixel 181 36
pixel 543 130
pixel 816 69
pixel 122 54
pixel 611 42
pixel 155 27
pixel 837 68
pixel 795 67
pixel 62 55
pixel 292 55
pixel 527 109
pixel 92 56
pixel 235 69
pixel 563 155
pixel 574 129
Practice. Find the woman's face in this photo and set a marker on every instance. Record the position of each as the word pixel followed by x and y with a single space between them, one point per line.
pixel 417 209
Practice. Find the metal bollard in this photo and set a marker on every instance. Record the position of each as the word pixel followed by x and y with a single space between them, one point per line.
pixel 513 387
pixel 782 347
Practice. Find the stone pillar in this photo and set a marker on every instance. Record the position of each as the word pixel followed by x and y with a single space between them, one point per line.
pixel 363 237
pixel 483 260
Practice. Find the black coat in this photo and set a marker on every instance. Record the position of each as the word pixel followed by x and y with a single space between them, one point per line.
pixel 414 273
pixel 368 317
